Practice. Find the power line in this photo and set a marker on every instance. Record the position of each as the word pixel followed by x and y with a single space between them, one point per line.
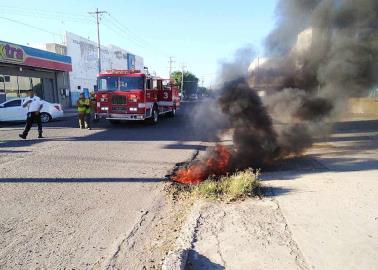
pixel 110 25
pixel 128 30
pixel 34 12
pixel 137 36
pixel 31 26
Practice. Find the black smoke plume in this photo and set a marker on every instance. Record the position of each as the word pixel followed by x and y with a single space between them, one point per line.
pixel 251 123
pixel 321 53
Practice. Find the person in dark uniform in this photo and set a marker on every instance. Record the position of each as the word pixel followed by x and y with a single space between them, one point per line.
pixel 34 106
pixel 93 102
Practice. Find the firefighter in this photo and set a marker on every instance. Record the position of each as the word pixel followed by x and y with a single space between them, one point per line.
pixel 84 112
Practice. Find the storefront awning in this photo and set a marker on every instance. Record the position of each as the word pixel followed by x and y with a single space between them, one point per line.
pixel 26 56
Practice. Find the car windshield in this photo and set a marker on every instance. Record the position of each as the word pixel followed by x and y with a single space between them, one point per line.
pixel 113 83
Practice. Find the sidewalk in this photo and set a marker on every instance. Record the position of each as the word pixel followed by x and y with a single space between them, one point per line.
pixel 249 235
pixel 322 213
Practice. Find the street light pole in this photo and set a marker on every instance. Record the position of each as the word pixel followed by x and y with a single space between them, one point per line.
pixel 97 13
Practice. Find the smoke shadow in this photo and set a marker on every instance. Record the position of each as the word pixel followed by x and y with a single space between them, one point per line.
pixel 338 164
pixel 349 138
pixel 300 163
pixel 268 191
pixel 198 261
pixel 344 151
pixel 353 126
pixel 343 164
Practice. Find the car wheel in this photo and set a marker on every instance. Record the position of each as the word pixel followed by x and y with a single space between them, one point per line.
pixel 45 117
pixel 173 112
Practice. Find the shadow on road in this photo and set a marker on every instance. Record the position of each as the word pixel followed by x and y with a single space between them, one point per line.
pixel 197 261
pixel 12 152
pixel 355 126
pixel 80 180
pixel 344 151
pixel 178 130
pixel 349 139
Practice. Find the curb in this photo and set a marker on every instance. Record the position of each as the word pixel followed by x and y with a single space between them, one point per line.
pixel 176 259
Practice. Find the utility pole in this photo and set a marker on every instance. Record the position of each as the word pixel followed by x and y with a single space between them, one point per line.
pixel 171 62
pixel 182 78
pixel 98 14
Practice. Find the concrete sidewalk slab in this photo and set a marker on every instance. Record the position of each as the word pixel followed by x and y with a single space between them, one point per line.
pixel 333 217
pixel 251 234
pixel 333 213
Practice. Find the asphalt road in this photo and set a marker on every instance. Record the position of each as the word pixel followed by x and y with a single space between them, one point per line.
pixel 68 201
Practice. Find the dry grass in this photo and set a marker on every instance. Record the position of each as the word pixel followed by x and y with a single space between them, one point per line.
pixel 232 187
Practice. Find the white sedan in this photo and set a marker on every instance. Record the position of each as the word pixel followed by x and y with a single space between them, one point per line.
pixel 12 110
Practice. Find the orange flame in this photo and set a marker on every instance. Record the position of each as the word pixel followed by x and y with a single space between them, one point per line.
pixel 216 163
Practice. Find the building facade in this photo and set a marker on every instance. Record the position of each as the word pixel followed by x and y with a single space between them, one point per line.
pixel 24 68
pixel 83 53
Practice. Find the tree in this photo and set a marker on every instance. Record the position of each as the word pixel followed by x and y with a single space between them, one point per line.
pixel 190 82
pixel 202 91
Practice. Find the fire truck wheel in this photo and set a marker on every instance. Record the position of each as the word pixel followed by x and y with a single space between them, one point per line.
pixel 95 118
pixel 173 112
pixel 154 117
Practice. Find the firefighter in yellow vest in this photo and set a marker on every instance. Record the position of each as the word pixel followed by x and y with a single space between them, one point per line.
pixel 84 112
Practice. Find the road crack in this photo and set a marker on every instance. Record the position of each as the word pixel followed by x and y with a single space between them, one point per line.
pixel 126 242
pixel 218 242
pixel 292 244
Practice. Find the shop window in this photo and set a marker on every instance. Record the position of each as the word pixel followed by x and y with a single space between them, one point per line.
pixel 17 86
pixel 11 87
pixel 37 86
pixel 65 78
pixel 24 85
pixel 2 84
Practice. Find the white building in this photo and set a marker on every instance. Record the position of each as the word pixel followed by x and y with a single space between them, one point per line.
pixel 83 53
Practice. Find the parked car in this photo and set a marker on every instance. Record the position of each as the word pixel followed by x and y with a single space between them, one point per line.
pixel 12 110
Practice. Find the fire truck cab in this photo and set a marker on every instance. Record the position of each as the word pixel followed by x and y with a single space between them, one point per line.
pixel 133 95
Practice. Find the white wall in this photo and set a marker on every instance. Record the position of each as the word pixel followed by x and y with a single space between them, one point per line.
pixel 84 62
pixel 139 62
pixel 83 53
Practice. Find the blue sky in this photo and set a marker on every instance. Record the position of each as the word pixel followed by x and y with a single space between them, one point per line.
pixel 197 33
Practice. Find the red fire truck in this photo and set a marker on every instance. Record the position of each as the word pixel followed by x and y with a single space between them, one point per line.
pixel 134 95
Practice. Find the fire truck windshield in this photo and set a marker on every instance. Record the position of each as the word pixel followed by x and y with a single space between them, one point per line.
pixel 119 83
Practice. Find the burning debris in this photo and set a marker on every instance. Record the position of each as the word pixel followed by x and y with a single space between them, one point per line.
pixel 320 53
pixel 216 163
